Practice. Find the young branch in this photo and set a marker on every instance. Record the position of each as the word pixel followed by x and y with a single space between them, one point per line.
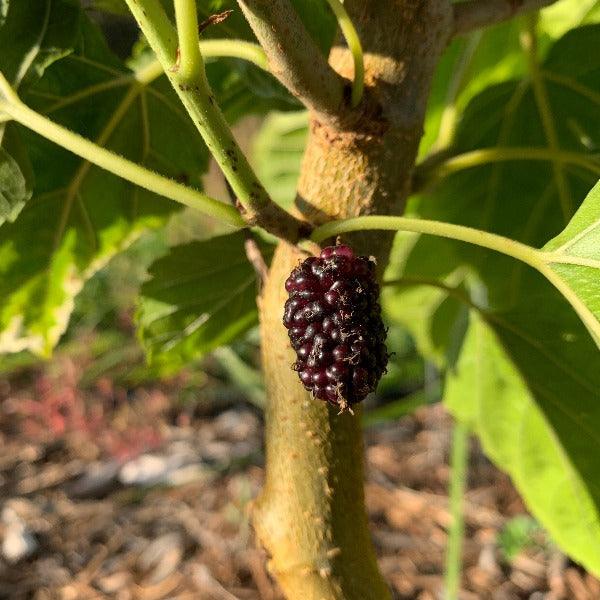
pixel 174 48
pixel 294 57
pixel 481 13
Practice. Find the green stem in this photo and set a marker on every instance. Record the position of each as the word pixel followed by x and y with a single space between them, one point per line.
pixel 235 49
pixel 7 90
pixel 522 252
pixel 157 29
pixel 456 533
pixel 196 95
pixel 355 47
pixel 118 165
pixel 190 64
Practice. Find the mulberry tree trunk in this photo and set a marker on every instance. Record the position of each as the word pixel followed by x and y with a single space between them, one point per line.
pixel 311 516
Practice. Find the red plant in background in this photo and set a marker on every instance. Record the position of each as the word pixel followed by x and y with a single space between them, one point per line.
pixel 118 426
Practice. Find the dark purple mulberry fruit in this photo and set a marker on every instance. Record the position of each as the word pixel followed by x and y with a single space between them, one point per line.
pixel 334 323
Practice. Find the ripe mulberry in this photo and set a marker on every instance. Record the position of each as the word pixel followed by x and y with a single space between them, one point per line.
pixel 333 319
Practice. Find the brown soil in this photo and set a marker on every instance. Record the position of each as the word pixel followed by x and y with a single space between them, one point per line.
pixel 100 533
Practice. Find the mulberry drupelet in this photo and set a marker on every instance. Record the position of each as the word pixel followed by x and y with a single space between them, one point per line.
pixel 333 319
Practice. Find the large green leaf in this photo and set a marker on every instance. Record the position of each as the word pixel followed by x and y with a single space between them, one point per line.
pixel 200 296
pixel 472 63
pixel 575 258
pixel 522 199
pixel 555 469
pixel 80 215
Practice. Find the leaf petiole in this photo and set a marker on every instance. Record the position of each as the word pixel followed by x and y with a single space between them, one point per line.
pixel 355 47
pixel 116 164
pixel 537 259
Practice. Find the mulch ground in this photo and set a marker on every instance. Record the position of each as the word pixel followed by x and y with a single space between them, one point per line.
pixel 133 499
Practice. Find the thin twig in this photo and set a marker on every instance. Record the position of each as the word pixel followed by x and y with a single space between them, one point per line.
pixel 481 13
pixel 294 57
pixel 214 20
pixel 251 247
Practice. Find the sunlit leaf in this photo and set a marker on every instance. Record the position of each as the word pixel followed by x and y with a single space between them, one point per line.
pixel 574 255
pixel 530 429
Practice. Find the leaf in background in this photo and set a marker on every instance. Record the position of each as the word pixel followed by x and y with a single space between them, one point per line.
pixel 34 34
pixel 3 11
pixel 555 468
pixel 575 258
pixel 530 201
pixel 434 318
pixel 116 7
pixel 80 215
pixel 277 154
pixel 472 63
pixel 16 175
pixel 200 296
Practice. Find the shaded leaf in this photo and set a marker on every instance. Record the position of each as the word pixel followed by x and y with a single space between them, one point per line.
pixel 16 175
pixel 200 296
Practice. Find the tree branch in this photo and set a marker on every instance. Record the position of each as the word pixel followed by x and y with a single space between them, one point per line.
pixel 294 58
pixel 194 91
pixel 481 13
